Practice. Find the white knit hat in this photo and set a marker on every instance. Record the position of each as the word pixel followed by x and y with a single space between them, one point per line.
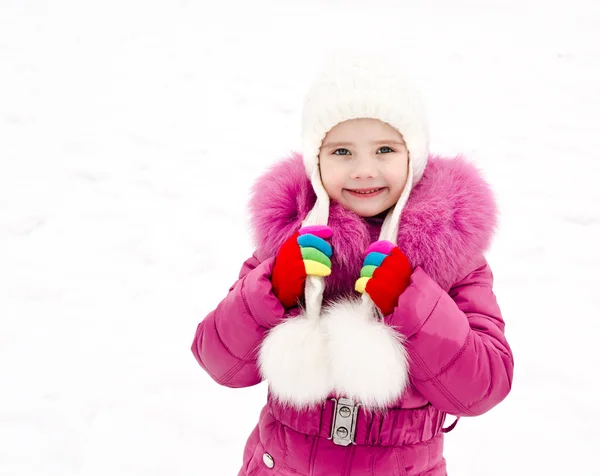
pixel 352 86
pixel 346 349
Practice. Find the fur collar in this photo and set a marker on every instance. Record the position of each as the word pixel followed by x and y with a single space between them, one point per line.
pixel 448 221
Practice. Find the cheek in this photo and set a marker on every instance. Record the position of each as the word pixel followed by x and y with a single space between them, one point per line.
pixel 401 180
pixel 397 182
pixel 332 180
pixel 398 175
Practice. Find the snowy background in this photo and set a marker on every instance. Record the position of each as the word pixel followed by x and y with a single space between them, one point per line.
pixel 130 133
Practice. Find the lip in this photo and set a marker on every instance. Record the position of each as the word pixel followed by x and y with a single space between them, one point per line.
pixel 365 195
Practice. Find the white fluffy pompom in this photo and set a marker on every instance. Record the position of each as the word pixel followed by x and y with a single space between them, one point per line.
pixel 369 363
pixel 293 358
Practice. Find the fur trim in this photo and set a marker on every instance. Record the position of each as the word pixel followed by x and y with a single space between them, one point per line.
pixel 447 223
pixel 369 363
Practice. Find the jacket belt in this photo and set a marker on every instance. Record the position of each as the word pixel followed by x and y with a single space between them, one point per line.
pixel 394 427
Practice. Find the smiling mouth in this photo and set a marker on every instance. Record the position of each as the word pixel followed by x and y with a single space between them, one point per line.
pixel 365 192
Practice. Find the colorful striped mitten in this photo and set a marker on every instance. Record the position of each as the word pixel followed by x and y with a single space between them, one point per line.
pixel 305 253
pixel 385 275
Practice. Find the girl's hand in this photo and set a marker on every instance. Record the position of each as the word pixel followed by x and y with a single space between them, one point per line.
pixel 385 275
pixel 305 253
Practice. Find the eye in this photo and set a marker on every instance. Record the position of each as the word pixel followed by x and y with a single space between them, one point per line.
pixel 386 147
pixel 337 150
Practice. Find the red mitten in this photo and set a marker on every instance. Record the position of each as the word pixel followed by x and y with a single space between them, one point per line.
pixel 385 275
pixel 305 253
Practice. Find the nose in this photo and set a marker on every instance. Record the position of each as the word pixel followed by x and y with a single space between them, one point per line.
pixel 364 167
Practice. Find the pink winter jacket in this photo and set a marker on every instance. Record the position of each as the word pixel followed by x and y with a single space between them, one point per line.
pixel 460 360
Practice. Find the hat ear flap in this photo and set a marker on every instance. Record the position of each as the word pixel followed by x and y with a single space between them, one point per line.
pixel 294 357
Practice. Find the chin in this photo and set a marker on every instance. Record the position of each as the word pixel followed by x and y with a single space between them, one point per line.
pixel 367 210
pixel 367 213
pixel 364 214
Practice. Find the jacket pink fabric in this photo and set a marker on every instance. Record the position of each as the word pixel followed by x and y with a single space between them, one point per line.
pixel 460 361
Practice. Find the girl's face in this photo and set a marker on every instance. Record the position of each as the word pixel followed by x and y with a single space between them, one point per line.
pixel 364 165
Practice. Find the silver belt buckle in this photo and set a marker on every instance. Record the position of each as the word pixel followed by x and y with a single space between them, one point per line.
pixel 343 428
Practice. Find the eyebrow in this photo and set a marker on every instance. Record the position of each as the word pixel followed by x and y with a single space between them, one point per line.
pixel 375 142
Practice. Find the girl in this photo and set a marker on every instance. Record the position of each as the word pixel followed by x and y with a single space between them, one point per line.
pixel 368 305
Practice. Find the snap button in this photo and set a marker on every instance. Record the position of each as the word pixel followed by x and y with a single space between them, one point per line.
pixel 268 460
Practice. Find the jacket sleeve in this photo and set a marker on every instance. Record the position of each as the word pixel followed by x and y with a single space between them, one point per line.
pixel 227 340
pixel 460 359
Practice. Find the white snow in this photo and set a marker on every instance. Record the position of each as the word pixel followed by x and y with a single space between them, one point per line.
pixel 130 133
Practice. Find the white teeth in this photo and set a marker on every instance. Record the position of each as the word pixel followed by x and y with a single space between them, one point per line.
pixel 367 192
